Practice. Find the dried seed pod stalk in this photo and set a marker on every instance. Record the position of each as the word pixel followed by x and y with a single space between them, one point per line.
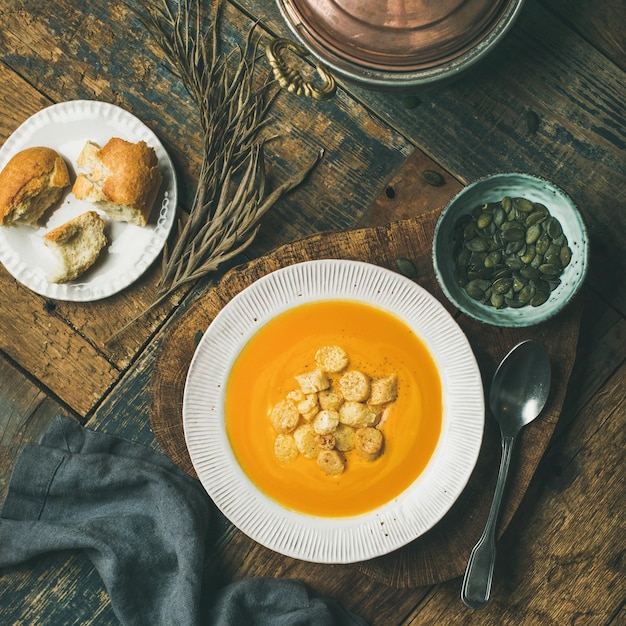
pixel 231 195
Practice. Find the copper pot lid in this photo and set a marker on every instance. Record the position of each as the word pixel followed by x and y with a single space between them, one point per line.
pixel 394 35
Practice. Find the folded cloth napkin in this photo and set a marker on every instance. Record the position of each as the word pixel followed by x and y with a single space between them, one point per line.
pixel 143 523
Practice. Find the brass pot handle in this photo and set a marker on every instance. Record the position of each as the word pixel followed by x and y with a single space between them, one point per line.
pixel 291 79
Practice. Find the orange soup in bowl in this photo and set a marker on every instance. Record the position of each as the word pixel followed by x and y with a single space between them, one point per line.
pixel 379 343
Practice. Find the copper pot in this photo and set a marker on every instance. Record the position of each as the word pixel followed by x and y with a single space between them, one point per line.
pixel 399 45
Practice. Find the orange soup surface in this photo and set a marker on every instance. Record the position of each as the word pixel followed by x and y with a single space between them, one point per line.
pixel 378 343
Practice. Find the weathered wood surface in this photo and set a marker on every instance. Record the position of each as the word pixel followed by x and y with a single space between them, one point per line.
pixel 562 556
pixel 442 553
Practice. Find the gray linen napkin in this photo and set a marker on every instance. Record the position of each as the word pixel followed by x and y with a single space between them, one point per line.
pixel 143 523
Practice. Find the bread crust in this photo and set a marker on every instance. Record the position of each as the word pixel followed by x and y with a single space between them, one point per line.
pixel 77 244
pixel 29 174
pixel 120 173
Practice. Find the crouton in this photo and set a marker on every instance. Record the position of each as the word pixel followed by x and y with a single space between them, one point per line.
pixel 285 449
pixel 344 438
pixel 330 400
pixel 325 422
pixel 305 438
pixel 355 386
pixel 384 390
pixel 331 359
pixel 368 443
pixel 284 416
pixel 356 414
pixel 325 442
pixel 331 462
pixel 296 396
pixel 312 382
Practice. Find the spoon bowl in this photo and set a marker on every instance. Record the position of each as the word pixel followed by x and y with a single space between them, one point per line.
pixel 520 386
pixel 519 391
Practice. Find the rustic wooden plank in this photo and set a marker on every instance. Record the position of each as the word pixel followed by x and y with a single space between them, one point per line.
pixel 600 23
pixel 58 44
pixel 541 578
pixel 408 194
pixel 60 589
pixel 25 413
pixel 18 101
pixel 439 555
pixel 238 557
pixel 601 350
pixel 32 593
pixel 69 365
pixel 476 125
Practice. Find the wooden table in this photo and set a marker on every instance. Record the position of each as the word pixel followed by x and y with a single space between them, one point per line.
pixel 561 559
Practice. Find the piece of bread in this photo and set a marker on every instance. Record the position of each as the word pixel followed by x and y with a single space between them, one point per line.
pixel 76 244
pixel 31 182
pixel 121 178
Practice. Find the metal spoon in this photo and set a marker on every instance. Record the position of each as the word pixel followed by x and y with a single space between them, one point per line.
pixel 519 391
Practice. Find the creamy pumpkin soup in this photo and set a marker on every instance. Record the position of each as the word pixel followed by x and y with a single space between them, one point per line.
pixel 283 356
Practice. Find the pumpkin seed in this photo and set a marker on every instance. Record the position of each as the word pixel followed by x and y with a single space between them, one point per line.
pixel 497 300
pixel 553 250
pixel 549 270
pixel 464 257
pixel 478 244
pixel 493 258
pixel 532 121
pixel 529 272
pixel 514 263
pixel 526 294
pixel 514 234
pixel 554 228
pixel 514 303
pixel 523 204
pixel 484 219
pixel 537 260
pixel 474 291
pixel 469 232
pixel 433 178
pixel 407 267
pixel 539 298
pixel 502 285
pixel 499 216
pixel 533 233
pixel 509 253
pixel 513 247
pixel 542 243
pixel 553 259
pixel 529 254
pixel 536 217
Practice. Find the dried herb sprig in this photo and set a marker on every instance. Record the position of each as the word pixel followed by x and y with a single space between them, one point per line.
pixel 233 104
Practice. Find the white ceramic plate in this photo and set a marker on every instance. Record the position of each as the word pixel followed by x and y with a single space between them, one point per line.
pixel 345 539
pixel 66 127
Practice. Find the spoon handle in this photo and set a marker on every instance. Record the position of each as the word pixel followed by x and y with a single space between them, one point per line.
pixel 479 573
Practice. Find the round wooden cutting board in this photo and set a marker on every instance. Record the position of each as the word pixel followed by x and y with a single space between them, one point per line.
pixel 441 554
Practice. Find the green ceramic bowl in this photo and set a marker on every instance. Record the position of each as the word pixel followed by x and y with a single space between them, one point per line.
pixel 494 189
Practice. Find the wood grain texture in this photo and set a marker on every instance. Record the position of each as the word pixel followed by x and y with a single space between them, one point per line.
pixel 561 558
pixel 25 412
pixel 48 347
pixel 540 578
pixel 601 24
pixel 58 52
pixel 442 553
pixel 476 125
pixel 53 46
